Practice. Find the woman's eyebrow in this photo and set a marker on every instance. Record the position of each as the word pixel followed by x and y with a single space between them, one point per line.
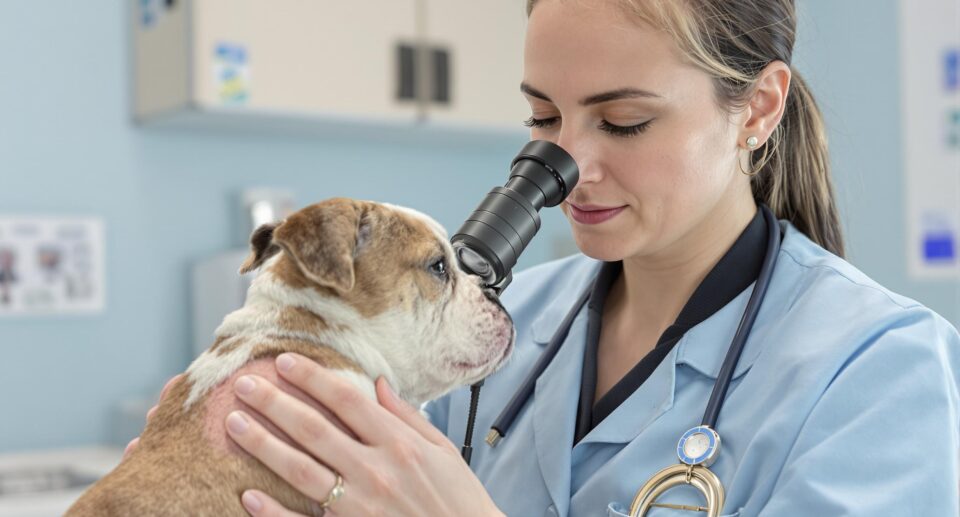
pixel 622 93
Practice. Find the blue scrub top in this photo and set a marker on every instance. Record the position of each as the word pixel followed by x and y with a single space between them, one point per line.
pixel 845 402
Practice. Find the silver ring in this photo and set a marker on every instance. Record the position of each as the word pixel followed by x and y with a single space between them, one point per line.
pixel 335 493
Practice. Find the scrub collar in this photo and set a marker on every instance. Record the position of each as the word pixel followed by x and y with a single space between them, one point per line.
pixel 735 271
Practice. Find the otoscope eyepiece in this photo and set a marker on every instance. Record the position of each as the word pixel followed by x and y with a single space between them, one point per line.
pixel 493 237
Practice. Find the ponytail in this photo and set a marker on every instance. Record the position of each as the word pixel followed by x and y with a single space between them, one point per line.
pixel 795 180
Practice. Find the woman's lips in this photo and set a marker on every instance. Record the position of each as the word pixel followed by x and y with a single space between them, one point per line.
pixel 591 214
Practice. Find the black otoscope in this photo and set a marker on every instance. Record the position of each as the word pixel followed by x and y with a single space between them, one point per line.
pixel 496 233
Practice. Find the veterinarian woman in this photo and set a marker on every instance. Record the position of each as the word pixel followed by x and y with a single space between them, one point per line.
pixel 684 117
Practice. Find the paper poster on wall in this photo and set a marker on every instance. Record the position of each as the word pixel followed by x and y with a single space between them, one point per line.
pixel 51 265
pixel 231 69
pixel 930 103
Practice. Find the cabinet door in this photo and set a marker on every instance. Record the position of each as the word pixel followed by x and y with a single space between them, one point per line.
pixel 302 57
pixel 485 44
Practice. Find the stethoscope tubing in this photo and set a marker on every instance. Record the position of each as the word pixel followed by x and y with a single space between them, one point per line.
pixel 750 313
pixel 520 398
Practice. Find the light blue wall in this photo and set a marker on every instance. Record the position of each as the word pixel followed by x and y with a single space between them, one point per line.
pixel 849 51
pixel 67 147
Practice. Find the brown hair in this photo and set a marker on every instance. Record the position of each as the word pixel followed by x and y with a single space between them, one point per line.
pixel 733 40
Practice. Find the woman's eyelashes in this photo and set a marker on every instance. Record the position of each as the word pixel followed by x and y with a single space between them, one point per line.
pixel 546 122
pixel 624 131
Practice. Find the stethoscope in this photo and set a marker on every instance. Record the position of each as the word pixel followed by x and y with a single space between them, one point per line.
pixel 699 447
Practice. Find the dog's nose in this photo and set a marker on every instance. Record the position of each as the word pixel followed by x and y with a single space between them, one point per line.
pixel 491 295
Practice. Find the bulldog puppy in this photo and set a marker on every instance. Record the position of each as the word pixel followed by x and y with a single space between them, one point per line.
pixel 364 288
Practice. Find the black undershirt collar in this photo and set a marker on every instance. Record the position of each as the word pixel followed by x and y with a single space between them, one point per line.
pixel 734 272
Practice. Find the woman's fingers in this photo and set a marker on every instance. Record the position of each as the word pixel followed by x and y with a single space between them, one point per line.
pixel 169 384
pixel 260 504
pixel 410 415
pixel 304 424
pixel 163 392
pixel 130 446
pixel 296 467
pixel 333 391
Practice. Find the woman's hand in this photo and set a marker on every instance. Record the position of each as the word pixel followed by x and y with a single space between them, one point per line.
pixel 166 387
pixel 401 465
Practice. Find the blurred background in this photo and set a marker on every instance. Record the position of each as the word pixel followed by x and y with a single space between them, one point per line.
pixel 140 142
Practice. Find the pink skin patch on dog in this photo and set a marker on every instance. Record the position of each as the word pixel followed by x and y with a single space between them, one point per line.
pixel 222 400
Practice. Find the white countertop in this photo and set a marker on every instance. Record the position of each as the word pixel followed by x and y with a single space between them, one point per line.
pixel 21 470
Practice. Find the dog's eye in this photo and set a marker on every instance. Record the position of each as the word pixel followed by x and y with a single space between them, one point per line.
pixel 439 268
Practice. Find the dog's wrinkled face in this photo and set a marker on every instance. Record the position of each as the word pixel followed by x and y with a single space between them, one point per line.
pixel 399 286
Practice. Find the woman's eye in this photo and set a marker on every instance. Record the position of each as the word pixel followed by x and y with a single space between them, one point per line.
pixel 439 268
pixel 625 131
pixel 546 122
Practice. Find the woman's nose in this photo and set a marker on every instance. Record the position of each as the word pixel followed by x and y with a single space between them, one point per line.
pixel 581 149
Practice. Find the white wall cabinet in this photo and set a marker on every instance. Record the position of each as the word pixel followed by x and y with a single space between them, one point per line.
pixel 485 39
pixel 446 62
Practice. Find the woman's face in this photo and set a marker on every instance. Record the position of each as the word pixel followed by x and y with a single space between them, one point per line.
pixel 673 177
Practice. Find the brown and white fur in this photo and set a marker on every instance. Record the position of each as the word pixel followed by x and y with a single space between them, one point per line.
pixel 354 285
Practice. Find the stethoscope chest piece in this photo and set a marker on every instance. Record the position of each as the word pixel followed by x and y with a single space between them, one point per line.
pixel 698 449
pixel 699 446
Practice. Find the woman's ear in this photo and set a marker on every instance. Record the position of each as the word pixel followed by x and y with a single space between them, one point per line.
pixel 768 102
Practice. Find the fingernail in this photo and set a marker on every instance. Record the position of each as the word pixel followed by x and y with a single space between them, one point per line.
pixel 244 385
pixel 251 502
pixel 392 394
pixel 237 423
pixel 133 443
pixel 285 362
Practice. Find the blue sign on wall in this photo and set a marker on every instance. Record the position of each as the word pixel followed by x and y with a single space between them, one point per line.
pixel 939 247
pixel 951 69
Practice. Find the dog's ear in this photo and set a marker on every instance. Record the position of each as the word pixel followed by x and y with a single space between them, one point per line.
pixel 261 247
pixel 324 240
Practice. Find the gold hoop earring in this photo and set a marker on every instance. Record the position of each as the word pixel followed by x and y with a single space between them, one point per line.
pixel 776 137
pixel 763 161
